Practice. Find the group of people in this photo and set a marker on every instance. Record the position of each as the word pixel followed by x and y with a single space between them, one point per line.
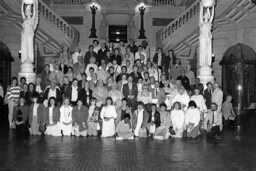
pixel 117 91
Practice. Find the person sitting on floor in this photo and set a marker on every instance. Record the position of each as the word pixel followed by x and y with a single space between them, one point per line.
pixel 162 132
pixel 228 112
pixel 79 118
pixel 140 120
pixel 53 118
pixel 192 120
pixel 37 117
pixel 154 120
pixel 124 128
pixel 178 120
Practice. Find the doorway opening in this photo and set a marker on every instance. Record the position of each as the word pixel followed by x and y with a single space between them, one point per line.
pixel 117 33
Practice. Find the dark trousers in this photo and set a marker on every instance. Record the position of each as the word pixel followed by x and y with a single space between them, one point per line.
pixel 22 130
pixel 214 131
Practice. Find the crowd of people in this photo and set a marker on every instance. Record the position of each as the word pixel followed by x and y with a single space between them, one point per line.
pixel 118 91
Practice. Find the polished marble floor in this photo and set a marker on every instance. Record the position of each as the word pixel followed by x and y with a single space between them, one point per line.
pixel 235 151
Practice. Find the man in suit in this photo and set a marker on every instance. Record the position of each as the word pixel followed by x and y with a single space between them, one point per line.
pixel 158 94
pixel 130 92
pixel 217 96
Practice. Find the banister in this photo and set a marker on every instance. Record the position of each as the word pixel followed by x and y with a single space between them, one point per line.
pixel 180 20
pixel 54 18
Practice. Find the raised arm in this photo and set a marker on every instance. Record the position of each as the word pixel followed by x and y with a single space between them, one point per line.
pixel 22 11
pixel 212 16
pixel 201 13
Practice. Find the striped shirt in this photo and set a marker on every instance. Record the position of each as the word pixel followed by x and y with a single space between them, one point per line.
pixel 13 93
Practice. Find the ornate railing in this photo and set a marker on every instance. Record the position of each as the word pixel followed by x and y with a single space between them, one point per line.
pixel 55 19
pixel 69 2
pixel 166 2
pixel 181 20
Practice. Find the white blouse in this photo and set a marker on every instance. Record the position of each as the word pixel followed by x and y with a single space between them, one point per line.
pixel 192 116
pixel 178 118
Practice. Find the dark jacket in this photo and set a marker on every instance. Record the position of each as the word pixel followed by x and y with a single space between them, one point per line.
pixel 185 82
pixel 136 76
pixel 80 115
pixel 163 60
pixel 145 118
pixel 87 57
pixel 208 98
pixel 118 59
pixel 157 118
pixel 126 91
pixel 24 111
pixel 45 79
pixel 69 92
pixel 82 95
pixel 55 114
pixel 41 114
pixel 58 94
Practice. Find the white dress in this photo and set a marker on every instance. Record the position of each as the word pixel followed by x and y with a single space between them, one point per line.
pixel 108 127
pixel 178 120
pixel 66 117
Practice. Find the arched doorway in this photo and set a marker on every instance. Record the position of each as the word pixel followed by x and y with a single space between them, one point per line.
pixel 5 64
pixel 239 74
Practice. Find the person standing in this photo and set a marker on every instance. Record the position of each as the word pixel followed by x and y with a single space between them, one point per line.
pixel 208 95
pixel 12 95
pixel 20 117
pixel 108 115
pixel 217 96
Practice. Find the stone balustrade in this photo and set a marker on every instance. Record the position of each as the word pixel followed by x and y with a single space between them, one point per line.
pixel 69 2
pixel 180 21
pixel 166 2
pixel 55 19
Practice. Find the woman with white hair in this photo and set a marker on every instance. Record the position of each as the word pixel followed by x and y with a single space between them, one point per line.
pixel 116 96
pixel 183 98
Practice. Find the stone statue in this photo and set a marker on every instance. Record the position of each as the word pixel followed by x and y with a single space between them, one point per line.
pixel 30 22
pixel 205 38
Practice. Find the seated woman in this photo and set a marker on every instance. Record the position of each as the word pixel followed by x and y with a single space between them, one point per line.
pixel 79 118
pixel 37 115
pixel 162 132
pixel 192 120
pixel 228 112
pixel 53 118
pixel 182 97
pixel 20 118
pixel 154 120
pixel 124 128
pixel 145 96
pixel 93 118
pixel 100 93
pixel 178 120
pixel 140 120
pixel 66 118
pixel 116 96
pixel 124 109
pixel 108 116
